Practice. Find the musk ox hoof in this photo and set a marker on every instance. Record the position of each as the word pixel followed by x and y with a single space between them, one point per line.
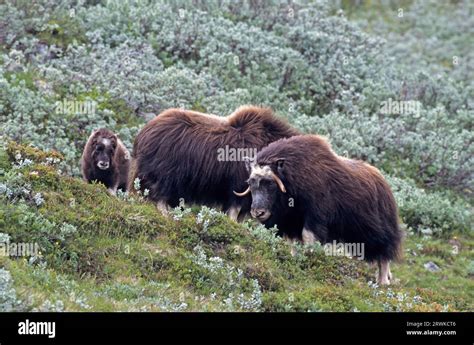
pixel 384 281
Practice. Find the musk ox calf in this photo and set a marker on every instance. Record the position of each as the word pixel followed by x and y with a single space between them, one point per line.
pixel 105 159
pixel 185 156
pixel 310 193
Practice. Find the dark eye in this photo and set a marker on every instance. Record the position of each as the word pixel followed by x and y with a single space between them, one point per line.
pixel 252 182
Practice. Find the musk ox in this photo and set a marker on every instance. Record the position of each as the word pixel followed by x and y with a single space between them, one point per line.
pixel 105 159
pixel 184 156
pixel 310 193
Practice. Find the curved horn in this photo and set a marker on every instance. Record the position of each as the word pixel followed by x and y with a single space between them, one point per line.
pixel 279 182
pixel 244 193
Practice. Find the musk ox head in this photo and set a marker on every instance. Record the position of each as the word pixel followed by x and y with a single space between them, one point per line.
pixel 103 146
pixel 266 189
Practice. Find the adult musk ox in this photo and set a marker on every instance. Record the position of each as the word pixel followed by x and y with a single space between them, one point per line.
pixel 310 193
pixel 179 156
pixel 105 159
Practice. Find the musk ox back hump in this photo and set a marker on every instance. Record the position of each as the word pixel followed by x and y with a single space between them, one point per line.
pixel 176 155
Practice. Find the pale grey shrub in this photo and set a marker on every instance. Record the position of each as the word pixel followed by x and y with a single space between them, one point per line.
pixel 126 72
pixel 420 209
pixel 230 281
pixel 429 35
pixel 8 298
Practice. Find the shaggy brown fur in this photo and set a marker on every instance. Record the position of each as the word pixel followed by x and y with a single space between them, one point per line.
pixel 175 155
pixel 105 159
pixel 326 196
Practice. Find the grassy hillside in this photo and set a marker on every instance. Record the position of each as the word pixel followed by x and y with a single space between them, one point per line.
pixel 104 253
pixel 68 67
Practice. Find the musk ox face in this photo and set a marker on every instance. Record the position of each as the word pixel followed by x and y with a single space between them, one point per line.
pixel 266 188
pixel 103 151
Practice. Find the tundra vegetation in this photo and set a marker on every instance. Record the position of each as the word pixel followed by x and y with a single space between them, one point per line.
pixel 345 72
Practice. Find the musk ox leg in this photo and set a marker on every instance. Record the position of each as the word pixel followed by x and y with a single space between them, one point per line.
pixel 314 232
pixel 112 190
pixel 163 207
pixel 384 272
pixel 242 216
pixel 308 236
pixel 233 212
pixel 292 242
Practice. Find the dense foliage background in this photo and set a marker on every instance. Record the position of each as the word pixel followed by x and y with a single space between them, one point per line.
pixel 325 66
